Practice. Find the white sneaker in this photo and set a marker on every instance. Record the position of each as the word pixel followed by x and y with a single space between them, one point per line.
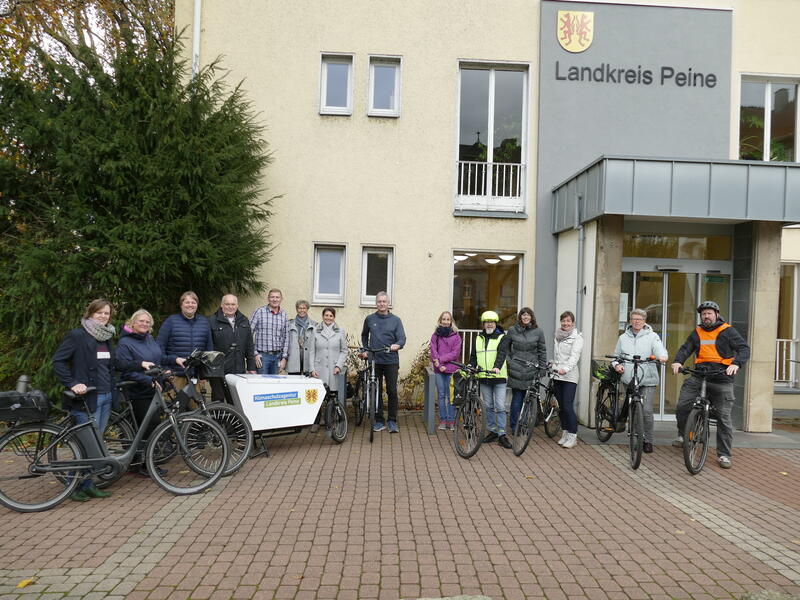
pixel 678 442
pixel 725 462
pixel 564 437
pixel 571 442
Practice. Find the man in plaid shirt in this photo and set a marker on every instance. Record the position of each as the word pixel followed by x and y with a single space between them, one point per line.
pixel 270 326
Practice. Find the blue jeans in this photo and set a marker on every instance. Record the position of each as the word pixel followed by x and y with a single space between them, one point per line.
pixel 494 405
pixel 269 363
pixel 101 416
pixel 447 412
pixel 517 396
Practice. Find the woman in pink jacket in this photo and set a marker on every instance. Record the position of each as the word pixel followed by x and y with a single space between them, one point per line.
pixel 445 348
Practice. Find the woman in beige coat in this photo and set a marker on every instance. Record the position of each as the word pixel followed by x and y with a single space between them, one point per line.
pixel 328 352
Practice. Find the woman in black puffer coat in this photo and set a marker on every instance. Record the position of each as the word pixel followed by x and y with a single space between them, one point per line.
pixel 525 343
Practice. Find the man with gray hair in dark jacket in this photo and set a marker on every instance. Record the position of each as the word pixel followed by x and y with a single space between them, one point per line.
pixel 382 329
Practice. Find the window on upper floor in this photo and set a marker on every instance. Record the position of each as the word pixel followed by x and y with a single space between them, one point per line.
pixel 377 273
pixel 768 120
pixel 492 137
pixel 384 86
pixel 329 274
pixel 336 85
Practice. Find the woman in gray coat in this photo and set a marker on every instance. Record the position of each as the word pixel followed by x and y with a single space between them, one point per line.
pixel 301 333
pixel 328 352
pixel 525 343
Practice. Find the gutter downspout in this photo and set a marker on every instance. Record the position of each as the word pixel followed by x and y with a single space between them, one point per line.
pixel 579 287
pixel 198 5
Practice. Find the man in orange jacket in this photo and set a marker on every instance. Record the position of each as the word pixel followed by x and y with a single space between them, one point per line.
pixel 721 349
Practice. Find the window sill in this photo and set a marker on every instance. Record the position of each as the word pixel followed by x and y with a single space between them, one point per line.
pixel 490 214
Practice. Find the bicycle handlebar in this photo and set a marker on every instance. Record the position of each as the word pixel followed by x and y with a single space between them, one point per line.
pixel 548 368
pixel 471 369
pixel 72 395
pixel 636 359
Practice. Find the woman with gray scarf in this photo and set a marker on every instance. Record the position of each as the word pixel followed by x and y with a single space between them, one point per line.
pixel 86 359
pixel 301 335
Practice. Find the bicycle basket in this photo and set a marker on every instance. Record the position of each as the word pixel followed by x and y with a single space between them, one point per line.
pixel 30 406
pixel 212 364
pixel 602 370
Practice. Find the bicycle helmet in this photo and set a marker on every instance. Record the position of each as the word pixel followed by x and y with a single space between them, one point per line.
pixel 708 304
pixel 490 315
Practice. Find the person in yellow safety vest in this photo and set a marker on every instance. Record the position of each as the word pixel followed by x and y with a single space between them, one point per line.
pixel 718 347
pixel 489 350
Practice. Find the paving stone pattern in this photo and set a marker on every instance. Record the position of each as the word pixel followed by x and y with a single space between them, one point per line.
pixel 406 518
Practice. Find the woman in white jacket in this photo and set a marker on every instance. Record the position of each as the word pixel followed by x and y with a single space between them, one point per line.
pixel 568 347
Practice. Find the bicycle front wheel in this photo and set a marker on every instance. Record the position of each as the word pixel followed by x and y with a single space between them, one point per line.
pixel 239 432
pixel 695 441
pixel 636 434
pixel 525 425
pixel 552 418
pixel 372 407
pixel 468 430
pixel 29 449
pixel 336 421
pixel 604 414
pixel 200 457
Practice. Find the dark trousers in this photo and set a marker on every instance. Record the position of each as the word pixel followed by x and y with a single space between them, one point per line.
pixel 565 394
pixel 721 397
pixel 388 373
pixel 219 391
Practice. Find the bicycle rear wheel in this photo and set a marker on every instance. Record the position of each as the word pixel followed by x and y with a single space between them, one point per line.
pixel 604 414
pixel 372 401
pixel 238 430
pixel 525 425
pixel 636 434
pixel 20 449
pixel 552 419
pixel 359 401
pixel 336 420
pixel 695 441
pixel 201 456
pixel 468 430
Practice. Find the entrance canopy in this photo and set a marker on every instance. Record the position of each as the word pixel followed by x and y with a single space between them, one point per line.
pixel 679 189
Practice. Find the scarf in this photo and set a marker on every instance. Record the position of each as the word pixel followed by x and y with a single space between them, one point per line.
pixel 301 323
pixel 444 332
pixel 561 335
pixel 99 332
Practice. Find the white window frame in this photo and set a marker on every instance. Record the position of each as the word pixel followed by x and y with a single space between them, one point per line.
pixel 769 81
pixel 346 59
pixel 369 300
pixel 461 203
pixel 329 299
pixel 397 62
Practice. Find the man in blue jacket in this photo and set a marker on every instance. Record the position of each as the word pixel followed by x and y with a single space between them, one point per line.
pixel 182 333
pixel 383 329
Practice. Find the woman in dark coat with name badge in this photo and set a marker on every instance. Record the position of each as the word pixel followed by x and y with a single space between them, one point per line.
pixel 86 359
pixel 525 343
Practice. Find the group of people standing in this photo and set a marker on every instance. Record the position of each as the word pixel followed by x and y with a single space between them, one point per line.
pixel 504 359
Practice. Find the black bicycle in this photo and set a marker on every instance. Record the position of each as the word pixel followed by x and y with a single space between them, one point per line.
pixel 360 394
pixel 633 398
pixel 539 405
pixel 606 407
pixel 41 464
pixel 372 387
pixel 335 416
pixel 469 424
pixel 698 423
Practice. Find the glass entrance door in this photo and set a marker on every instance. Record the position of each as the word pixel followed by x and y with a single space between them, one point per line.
pixel 671 299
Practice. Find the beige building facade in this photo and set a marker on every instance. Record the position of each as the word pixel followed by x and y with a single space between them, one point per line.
pixel 417 147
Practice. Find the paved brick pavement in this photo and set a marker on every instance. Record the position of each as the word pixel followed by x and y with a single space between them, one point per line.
pixel 406 518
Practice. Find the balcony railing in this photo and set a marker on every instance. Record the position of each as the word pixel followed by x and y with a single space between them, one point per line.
pixel 490 186
pixel 785 367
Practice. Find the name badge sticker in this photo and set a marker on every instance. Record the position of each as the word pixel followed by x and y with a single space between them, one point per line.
pixel 103 355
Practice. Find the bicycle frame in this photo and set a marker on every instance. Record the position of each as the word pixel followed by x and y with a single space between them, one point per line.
pixel 112 464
